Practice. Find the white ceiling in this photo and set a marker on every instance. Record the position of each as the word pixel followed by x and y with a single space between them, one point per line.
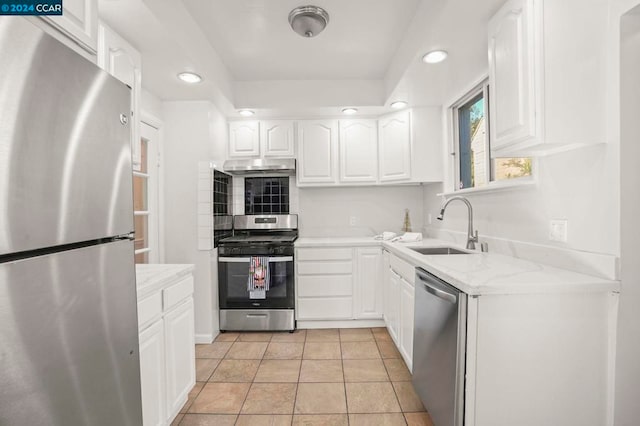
pixel 255 41
pixel 250 58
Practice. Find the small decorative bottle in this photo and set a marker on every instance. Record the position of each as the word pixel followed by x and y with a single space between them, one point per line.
pixel 406 226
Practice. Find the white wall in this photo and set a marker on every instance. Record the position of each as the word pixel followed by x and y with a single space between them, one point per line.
pixel 194 131
pixel 580 186
pixel 150 105
pixel 627 408
pixel 326 212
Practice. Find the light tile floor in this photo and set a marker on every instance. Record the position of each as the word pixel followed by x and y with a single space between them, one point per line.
pixel 335 377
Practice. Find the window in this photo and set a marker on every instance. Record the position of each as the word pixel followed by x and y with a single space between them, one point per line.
pixel 474 166
pixel 145 198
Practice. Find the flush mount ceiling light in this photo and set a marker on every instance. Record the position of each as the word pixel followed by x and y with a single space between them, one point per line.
pixel 435 56
pixel 246 112
pixel 349 111
pixel 189 77
pixel 308 21
pixel 398 104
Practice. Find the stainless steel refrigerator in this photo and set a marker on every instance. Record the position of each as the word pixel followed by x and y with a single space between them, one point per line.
pixel 68 325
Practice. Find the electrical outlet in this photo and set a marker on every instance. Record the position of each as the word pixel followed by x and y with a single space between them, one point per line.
pixel 353 220
pixel 558 230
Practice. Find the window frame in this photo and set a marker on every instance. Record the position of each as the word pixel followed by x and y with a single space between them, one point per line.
pixel 481 87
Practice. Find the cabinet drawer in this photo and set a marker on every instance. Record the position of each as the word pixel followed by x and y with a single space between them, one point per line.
pixel 319 285
pixel 325 308
pixel 324 254
pixel 324 268
pixel 403 268
pixel 149 309
pixel 178 292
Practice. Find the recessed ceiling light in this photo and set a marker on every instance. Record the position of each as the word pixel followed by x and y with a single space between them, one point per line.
pixel 246 112
pixel 398 104
pixel 435 56
pixel 349 111
pixel 189 77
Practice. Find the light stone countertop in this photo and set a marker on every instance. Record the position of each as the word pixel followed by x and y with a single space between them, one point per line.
pixel 480 273
pixel 151 277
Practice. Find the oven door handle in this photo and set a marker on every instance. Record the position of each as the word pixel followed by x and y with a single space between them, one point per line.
pixel 274 259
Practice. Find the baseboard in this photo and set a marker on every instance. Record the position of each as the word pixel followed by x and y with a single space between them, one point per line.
pixel 203 339
pixel 341 324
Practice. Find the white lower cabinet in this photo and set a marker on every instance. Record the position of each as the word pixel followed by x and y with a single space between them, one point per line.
pixel 339 283
pixel 152 364
pixel 399 293
pixel 179 326
pixel 167 348
pixel 407 299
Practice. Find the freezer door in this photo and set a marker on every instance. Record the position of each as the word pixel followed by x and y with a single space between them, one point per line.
pixel 69 339
pixel 65 156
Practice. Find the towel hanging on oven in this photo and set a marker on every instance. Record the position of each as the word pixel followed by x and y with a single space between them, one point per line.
pixel 258 274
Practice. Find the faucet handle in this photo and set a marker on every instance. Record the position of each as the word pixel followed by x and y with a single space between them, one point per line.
pixel 475 236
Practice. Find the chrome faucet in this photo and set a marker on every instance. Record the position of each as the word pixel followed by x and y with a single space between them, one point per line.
pixel 472 238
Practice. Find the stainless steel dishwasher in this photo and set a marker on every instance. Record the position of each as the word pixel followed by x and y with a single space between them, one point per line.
pixel 439 345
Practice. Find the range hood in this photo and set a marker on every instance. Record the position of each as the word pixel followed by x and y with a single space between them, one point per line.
pixel 261 166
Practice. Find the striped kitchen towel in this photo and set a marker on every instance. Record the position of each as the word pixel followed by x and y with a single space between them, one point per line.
pixel 258 273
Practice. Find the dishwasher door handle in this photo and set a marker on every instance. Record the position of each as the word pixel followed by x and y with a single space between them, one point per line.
pixel 432 287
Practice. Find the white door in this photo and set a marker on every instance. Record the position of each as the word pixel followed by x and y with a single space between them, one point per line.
pixel 317 151
pixel 358 151
pixel 407 296
pixel 152 375
pixel 121 60
pixel 394 133
pixel 512 90
pixel 146 190
pixel 394 307
pixel 180 346
pixel 244 139
pixel 369 283
pixel 277 138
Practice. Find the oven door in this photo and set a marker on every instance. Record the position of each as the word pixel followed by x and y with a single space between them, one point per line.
pixel 233 277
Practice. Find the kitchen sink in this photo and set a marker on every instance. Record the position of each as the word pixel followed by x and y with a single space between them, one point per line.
pixel 438 250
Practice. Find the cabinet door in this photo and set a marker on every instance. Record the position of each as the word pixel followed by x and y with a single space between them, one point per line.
pixel 180 347
pixel 368 296
pixel 386 278
pixel 277 138
pixel 358 151
pixel 512 74
pixel 79 21
pixel 407 296
pixel 244 139
pixel 121 60
pixel 393 298
pixel 317 151
pixel 152 374
pixel 394 132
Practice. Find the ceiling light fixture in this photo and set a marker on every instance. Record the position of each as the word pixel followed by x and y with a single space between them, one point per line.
pixel 435 56
pixel 189 77
pixel 398 104
pixel 349 111
pixel 246 112
pixel 308 21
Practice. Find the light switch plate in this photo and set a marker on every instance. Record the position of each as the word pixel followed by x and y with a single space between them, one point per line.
pixel 558 230
pixel 353 220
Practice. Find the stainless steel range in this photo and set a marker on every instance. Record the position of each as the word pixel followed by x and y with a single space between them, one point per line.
pixel 255 273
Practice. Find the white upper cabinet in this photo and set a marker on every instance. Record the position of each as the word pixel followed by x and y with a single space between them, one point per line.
pixel 358 151
pixel 244 139
pixel 123 61
pixel 277 138
pixel 514 74
pixel 546 93
pixel 394 146
pixel 79 22
pixel 317 152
